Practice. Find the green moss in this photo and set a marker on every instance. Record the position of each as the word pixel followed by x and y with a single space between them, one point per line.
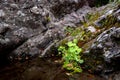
pixel 69 30
pixel 95 16
pixel 110 21
pixel 92 17
pixel 48 19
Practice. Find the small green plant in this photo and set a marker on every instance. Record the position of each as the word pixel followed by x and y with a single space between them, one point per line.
pixel 69 29
pixel 71 56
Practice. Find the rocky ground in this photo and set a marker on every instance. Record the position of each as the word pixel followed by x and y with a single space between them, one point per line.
pixel 30 31
pixel 27 28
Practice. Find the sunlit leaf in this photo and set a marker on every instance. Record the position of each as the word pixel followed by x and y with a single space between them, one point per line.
pixel 71 56
pixel 81 61
pixel 75 41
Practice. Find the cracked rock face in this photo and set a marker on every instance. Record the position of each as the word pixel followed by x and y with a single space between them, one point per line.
pixel 108 45
pixel 28 28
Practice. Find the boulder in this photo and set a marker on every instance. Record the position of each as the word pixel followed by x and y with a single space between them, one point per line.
pixel 107 45
pixel 29 29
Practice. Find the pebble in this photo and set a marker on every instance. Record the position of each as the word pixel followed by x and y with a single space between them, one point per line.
pixel 91 29
pixel 35 10
pixel 2 13
pixel 20 13
pixel 118 18
pixel 15 6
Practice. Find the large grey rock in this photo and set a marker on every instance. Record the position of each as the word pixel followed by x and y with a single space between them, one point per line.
pixel 107 45
pixel 63 7
pixel 29 28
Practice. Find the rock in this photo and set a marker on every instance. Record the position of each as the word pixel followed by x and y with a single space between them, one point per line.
pixel 115 76
pixel 73 19
pixel 103 19
pixel 117 14
pixel 3 28
pixel 107 44
pixel 66 6
pixel 30 28
pixel 38 45
pixel 110 18
pixel 118 18
pixel 11 40
pixel 14 6
pixel 2 13
pixel 35 10
pixel 91 29
pixel 20 13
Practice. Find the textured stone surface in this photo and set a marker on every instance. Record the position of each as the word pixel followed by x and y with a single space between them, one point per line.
pixel 28 28
pixel 107 44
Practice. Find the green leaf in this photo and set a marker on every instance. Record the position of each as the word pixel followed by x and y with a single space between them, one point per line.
pixel 81 61
pixel 61 48
pixel 71 50
pixel 75 41
pixel 77 70
pixel 79 50
pixel 70 44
